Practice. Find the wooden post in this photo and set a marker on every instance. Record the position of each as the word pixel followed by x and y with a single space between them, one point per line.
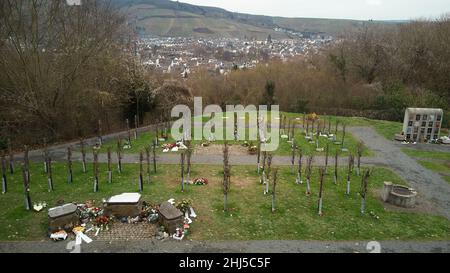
pixel 182 171
pixel 308 175
pixel 96 186
pixel 83 154
pixel 4 180
pixel 141 171
pixel 364 184
pixel 50 174
pixel 119 156
pixel 274 185
pixel 109 165
pixel 322 174
pixel 69 165
pixel 336 167
pixel 11 157
pixel 299 171
pixel 349 173
pixel 26 187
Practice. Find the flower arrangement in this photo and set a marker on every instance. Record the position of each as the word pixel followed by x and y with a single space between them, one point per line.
pixel 184 205
pixel 200 181
pixel 102 222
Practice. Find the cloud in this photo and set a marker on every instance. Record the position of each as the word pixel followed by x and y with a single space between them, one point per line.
pixel 374 2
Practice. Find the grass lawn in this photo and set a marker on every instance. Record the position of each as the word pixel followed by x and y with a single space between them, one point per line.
pixel 427 154
pixel 439 167
pixel 250 216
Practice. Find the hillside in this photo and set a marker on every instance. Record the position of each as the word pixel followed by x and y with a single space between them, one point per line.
pixel 168 18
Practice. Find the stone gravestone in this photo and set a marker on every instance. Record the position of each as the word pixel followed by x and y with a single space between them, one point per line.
pixel 63 217
pixel 170 217
pixel 124 205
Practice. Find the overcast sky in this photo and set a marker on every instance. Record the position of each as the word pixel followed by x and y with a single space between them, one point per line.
pixel 344 9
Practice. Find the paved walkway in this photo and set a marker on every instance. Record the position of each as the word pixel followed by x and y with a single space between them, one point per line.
pixel 154 246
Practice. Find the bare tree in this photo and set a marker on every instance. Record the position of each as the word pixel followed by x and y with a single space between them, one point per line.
pixel 263 169
pixel 226 176
pixel 343 136
pixel 95 165
pixel 109 165
pixel 147 159
pixel 4 180
pixel 119 155
pixel 83 155
pixel 364 184
pixel 26 187
pixel 360 150
pixel 154 155
pixel 274 185
pixel 308 175
pixel 189 152
pixel 141 172
pixel 11 157
pixel 349 172
pixel 320 202
pixel 299 170
pixel 336 161
pixel 69 165
pixel 294 151
pixel 268 173
pixel 327 151
pixel 183 156
pixel 50 174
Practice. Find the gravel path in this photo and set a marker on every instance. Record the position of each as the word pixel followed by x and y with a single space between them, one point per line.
pixel 426 182
pixel 171 246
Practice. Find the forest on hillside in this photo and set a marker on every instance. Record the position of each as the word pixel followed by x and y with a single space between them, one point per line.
pixel 69 73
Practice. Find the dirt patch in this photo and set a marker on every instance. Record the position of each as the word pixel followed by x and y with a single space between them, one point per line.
pixel 216 149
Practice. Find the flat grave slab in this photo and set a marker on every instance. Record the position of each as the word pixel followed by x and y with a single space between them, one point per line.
pixel 124 205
